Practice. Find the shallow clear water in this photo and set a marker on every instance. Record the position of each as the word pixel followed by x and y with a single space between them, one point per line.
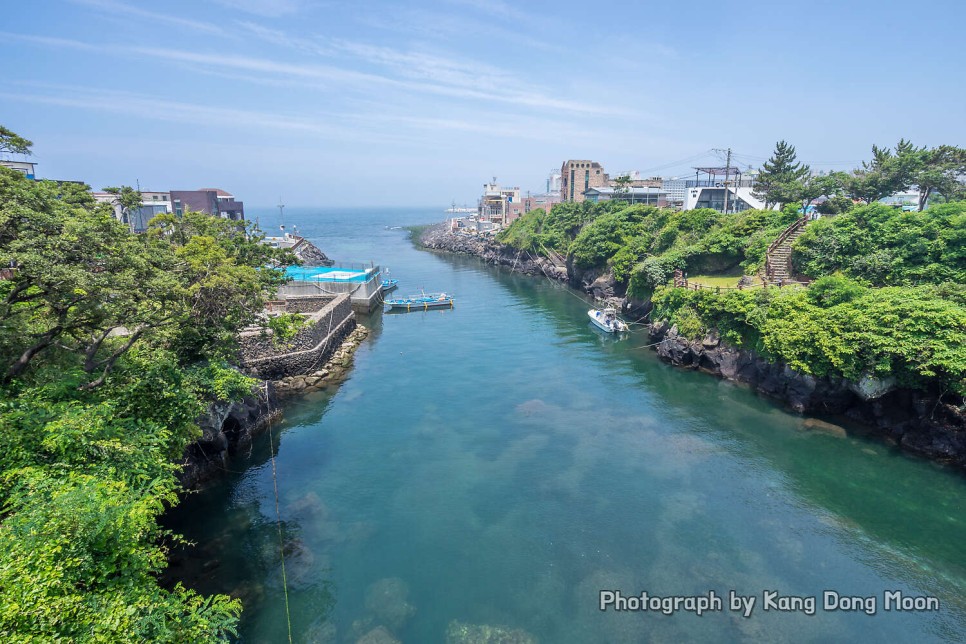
pixel 502 462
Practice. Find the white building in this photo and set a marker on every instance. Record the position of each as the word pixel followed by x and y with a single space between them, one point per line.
pixel 152 203
pixel 26 167
pixel 676 188
pixel 721 189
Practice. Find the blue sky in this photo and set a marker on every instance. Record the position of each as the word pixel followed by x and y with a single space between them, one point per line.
pixel 381 103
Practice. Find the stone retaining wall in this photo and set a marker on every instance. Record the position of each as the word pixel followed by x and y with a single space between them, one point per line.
pixel 262 357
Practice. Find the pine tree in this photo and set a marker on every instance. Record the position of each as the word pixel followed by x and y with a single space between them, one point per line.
pixel 780 178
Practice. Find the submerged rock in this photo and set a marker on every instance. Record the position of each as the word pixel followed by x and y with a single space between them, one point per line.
pixel 826 428
pixel 460 633
pixel 378 635
pixel 387 600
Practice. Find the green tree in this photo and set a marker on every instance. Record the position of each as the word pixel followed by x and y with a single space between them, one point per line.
pixel 127 200
pixel 622 187
pixel 12 143
pixel 780 178
pixel 887 173
pixel 102 377
pixel 943 171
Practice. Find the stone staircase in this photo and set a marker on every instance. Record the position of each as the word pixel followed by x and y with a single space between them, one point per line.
pixel 778 258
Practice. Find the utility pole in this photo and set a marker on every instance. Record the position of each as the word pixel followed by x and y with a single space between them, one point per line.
pixel 727 176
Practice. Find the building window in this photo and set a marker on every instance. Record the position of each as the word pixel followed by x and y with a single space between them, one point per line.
pixel 586 179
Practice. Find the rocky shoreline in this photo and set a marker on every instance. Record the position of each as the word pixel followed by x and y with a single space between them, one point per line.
pixel 439 238
pixel 228 428
pixel 919 422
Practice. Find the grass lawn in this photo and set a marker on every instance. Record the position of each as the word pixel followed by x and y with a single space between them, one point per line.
pixel 729 279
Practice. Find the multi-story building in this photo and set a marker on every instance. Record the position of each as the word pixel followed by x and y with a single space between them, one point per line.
pixel 26 167
pixel 578 175
pixel 545 201
pixel 675 187
pixel 498 204
pixel 152 203
pixel 212 201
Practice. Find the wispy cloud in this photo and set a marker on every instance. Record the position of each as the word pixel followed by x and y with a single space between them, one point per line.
pixel 435 73
pixel 496 8
pixel 112 7
pixel 154 108
pixel 452 80
pixel 372 123
pixel 268 8
pixel 456 28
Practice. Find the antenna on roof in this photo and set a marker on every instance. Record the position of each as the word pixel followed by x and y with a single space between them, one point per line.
pixel 281 213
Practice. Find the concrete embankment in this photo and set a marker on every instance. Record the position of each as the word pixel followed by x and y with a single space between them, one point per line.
pixel 919 422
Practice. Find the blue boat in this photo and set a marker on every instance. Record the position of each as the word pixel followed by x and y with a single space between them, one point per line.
pixel 389 284
pixel 421 302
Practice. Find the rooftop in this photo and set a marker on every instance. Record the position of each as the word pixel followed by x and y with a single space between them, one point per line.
pixel 642 190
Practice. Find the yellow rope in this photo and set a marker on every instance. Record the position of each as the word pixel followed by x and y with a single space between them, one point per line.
pixel 278 515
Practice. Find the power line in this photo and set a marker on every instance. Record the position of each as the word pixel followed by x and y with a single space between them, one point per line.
pixel 676 163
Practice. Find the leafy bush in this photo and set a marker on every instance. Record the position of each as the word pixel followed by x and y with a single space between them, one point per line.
pixel 841 328
pixel 884 246
pixel 285 326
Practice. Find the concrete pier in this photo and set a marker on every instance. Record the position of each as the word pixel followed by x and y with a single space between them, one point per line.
pixel 365 295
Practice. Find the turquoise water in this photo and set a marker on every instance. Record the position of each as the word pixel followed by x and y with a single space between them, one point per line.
pixel 502 462
pixel 326 274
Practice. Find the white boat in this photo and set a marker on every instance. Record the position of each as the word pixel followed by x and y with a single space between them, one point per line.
pixel 607 320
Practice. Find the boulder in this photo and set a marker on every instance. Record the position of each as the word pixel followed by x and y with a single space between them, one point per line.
pixel 869 387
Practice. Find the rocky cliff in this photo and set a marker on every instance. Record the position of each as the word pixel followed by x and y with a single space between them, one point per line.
pixel 226 429
pixel 917 421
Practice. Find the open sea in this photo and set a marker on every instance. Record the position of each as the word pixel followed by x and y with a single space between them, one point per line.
pixel 497 465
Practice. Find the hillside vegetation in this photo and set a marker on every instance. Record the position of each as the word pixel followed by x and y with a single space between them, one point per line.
pixel 889 300
pixel 643 245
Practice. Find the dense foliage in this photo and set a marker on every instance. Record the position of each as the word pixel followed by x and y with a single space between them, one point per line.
pixel 111 345
pixel 884 246
pixel 837 327
pixel 643 245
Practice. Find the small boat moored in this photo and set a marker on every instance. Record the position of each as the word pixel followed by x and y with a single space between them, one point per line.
pixel 421 302
pixel 389 284
pixel 607 320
